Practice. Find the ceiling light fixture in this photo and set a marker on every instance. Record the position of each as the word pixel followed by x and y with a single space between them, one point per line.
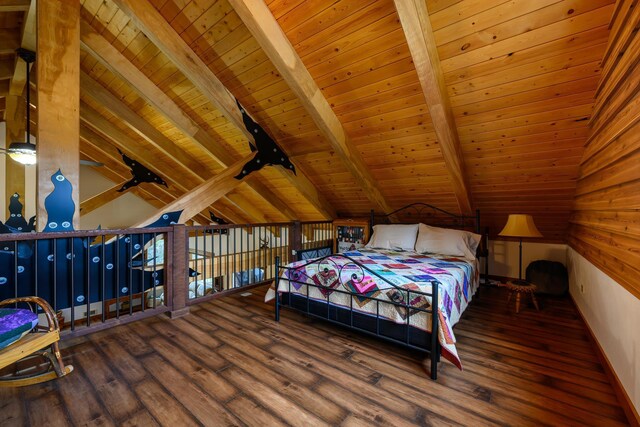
pixel 25 152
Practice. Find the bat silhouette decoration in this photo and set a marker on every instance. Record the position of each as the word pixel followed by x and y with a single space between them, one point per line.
pixel 140 174
pixel 269 153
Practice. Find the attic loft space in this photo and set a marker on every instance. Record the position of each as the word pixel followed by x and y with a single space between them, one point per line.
pixel 193 149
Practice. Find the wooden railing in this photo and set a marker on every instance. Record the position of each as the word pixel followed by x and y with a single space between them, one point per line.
pixel 96 279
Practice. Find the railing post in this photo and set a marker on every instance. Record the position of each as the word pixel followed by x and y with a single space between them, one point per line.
pixel 176 270
pixel 295 240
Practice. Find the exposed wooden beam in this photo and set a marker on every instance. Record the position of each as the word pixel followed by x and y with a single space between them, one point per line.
pixel 100 199
pixel 109 138
pixel 117 63
pixel 158 30
pixel 414 18
pixel 28 41
pixel 189 166
pixel 262 24
pixel 99 149
pixel 14 5
pixel 204 194
pixel 58 67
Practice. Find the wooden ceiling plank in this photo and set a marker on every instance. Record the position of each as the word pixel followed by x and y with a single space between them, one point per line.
pixel 414 18
pixel 264 27
pixel 117 63
pixel 100 199
pixel 28 41
pixel 203 195
pixel 169 42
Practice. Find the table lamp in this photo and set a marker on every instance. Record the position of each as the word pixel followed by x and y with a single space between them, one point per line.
pixel 520 225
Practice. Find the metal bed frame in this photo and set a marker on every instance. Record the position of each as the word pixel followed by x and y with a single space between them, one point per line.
pixel 403 334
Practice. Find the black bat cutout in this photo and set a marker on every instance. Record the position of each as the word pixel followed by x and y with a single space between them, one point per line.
pixel 140 174
pixel 16 220
pixel 269 153
pixel 218 221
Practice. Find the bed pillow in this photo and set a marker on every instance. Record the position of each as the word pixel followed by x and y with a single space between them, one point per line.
pixel 447 241
pixel 394 236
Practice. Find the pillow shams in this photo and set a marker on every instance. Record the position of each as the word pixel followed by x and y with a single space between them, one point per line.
pixel 394 236
pixel 447 241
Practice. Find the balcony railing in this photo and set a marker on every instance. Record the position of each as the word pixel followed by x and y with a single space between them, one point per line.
pixel 99 278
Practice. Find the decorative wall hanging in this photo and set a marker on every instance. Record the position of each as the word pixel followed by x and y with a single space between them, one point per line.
pixel 269 153
pixel 140 174
pixel 16 222
pixel 59 205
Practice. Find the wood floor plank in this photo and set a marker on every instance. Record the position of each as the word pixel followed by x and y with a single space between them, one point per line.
pixel 253 414
pixel 12 408
pixel 271 399
pixel 209 381
pixel 48 410
pixel 303 396
pixel 162 405
pixel 90 412
pixel 111 389
pixel 229 362
pixel 203 407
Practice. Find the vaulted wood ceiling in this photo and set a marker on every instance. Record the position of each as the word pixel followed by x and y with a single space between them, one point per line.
pixel 343 90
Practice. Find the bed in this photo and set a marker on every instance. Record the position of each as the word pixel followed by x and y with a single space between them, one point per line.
pixel 389 288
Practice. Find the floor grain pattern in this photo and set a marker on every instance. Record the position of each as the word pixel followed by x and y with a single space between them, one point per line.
pixel 229 363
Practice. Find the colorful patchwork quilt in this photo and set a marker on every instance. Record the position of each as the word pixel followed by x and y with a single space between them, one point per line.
pixel 406 276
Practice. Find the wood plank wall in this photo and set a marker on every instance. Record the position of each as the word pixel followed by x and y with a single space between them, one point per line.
pixel 605 224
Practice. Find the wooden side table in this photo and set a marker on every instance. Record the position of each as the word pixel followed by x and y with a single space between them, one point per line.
pixel 521 287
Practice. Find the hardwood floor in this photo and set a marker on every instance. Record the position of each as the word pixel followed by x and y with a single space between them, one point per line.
pixel 230 363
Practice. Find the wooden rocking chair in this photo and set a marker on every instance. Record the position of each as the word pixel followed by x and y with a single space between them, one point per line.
pixel 41 342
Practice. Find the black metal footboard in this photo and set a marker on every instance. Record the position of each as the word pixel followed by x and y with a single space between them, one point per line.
pixel 407 301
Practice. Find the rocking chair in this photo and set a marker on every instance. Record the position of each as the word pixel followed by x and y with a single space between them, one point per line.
pixel 42 341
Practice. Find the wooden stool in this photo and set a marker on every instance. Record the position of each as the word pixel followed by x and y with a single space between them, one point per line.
pixel 521 287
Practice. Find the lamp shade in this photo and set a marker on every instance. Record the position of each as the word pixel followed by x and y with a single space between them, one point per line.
pixel 520 225
pixel 23 152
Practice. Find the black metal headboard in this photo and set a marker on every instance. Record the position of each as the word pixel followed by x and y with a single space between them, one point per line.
pixel 430 215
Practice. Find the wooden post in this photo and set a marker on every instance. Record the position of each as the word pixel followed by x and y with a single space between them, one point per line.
pixel 295 240
pixel 15 132
pixel 176 271
pixel 58 70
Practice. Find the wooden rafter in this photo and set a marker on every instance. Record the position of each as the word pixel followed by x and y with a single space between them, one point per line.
pixel 414 18
pixel 117 63
pixel 97 148
pixel 204 194
pixel 158 30
pixel 264 27
pixel 94 202
pixel 188 165
pixel 129 146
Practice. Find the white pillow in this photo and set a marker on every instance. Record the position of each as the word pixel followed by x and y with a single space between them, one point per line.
pixel 394 236
pixel 447 241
